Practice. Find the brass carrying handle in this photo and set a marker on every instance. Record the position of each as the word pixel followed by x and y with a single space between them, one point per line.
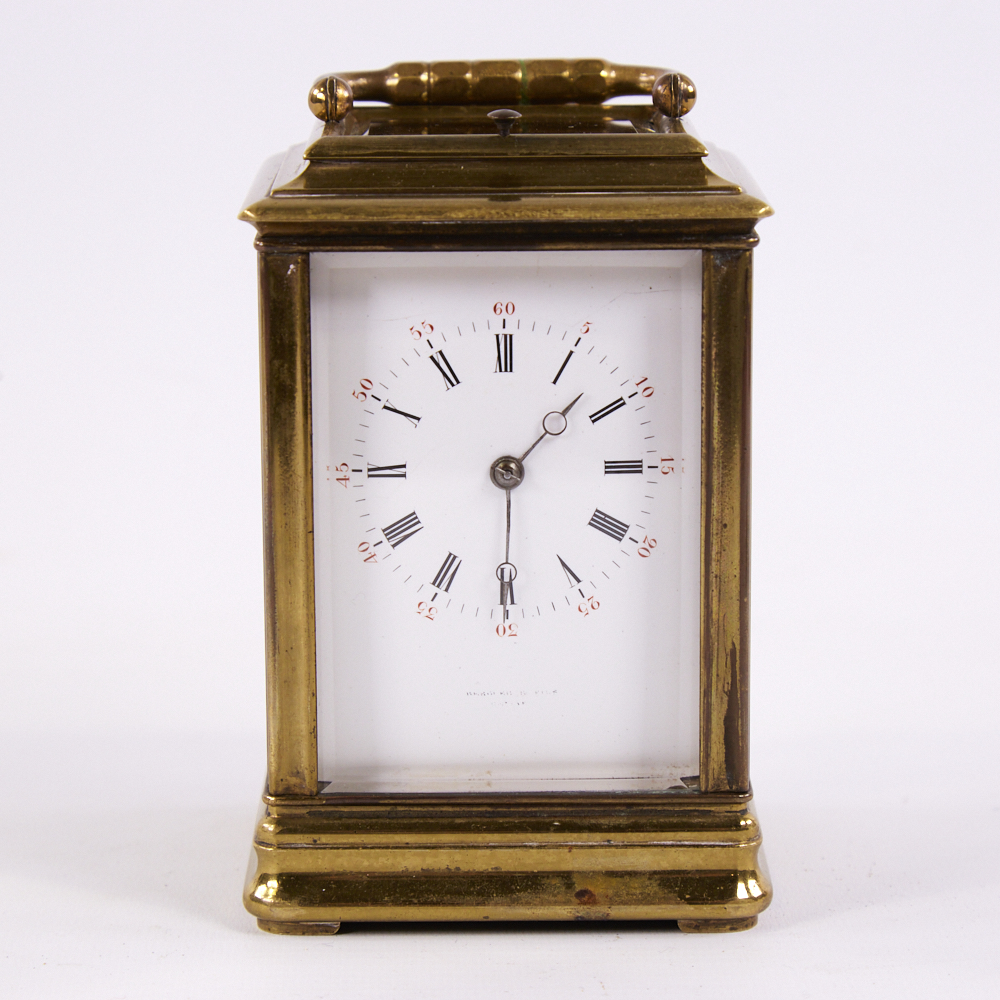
pixel 501 83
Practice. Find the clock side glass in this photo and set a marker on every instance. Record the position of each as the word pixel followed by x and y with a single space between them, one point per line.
pixel 507 493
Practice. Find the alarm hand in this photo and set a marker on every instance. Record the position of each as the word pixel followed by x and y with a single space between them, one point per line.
pixel 553 423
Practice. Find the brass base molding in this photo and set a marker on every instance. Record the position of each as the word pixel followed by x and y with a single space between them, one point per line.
pixel 696 862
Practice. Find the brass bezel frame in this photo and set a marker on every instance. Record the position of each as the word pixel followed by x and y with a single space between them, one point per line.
pixel 690 855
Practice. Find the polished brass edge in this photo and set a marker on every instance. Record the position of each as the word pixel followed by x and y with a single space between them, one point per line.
pixel 526 894
pixel 288 556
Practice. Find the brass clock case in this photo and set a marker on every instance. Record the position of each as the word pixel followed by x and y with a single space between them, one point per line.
pixel 428 176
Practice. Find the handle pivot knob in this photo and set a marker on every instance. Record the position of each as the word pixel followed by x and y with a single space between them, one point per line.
pixel 674 94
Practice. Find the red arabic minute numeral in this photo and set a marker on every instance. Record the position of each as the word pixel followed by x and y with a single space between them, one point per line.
pixel 367 553
pixel 508 631
pixel 648 544
pixel 343 478
pixel 503 308
pixel 664 467
pixel 426 610
pixel 587 605
pixel 648 390
pixel 585 328
pixel 421 330
pixel 362 394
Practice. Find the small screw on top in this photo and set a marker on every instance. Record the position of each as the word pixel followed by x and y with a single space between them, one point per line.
pixel 504 118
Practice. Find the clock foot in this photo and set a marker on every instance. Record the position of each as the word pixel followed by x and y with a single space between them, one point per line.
pixel 714 926
pixel 299 927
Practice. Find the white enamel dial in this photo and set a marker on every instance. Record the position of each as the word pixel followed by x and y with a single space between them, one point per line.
pixel 457 648
pixel 425 476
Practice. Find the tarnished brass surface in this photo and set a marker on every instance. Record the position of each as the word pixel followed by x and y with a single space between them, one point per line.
pixel 497 82
pixel 477 160
pixel 442 178
pixel 571 177
pixel 725 512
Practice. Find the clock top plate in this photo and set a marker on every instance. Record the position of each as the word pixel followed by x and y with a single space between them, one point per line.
pixel 579 168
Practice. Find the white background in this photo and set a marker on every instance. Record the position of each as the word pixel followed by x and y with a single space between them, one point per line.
pixel 132 708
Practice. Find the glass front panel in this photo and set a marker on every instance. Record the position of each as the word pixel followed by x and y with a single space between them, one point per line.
pixel 507 496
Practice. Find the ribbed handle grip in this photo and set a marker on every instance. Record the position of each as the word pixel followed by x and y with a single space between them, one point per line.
pixel 501 82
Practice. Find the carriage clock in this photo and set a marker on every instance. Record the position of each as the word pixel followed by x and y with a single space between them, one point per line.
pixel 505 356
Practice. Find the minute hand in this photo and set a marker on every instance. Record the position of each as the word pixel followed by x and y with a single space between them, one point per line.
pixel 552 424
